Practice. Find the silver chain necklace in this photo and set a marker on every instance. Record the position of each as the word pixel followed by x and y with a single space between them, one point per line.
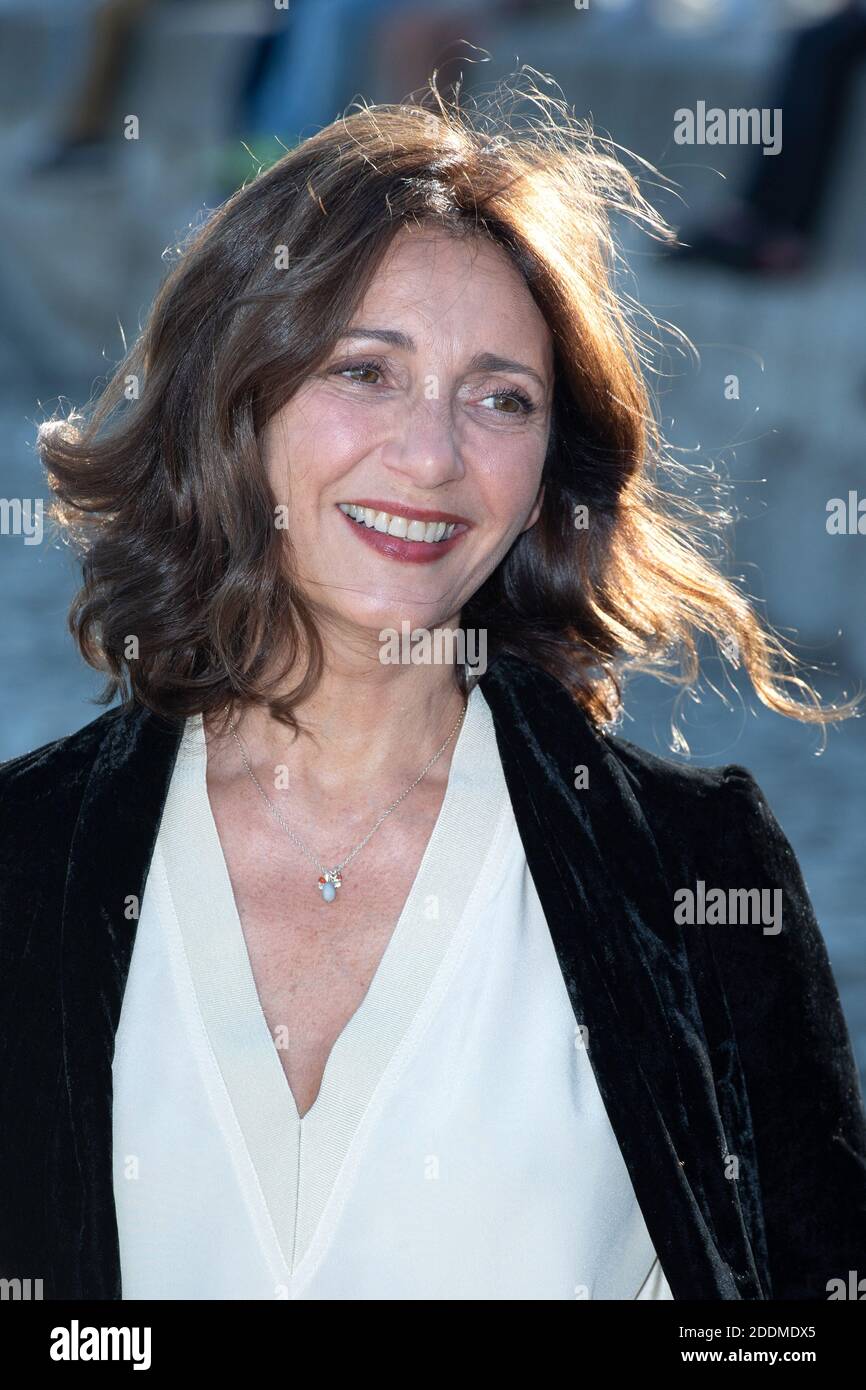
pixel 331 879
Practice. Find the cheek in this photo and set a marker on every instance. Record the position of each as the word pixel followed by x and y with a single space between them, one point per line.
pixel 319 441
pixel 509 483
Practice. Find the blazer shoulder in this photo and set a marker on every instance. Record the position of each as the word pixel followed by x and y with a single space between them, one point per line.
pixel 720 815
pixel 657 775
pixel 30 777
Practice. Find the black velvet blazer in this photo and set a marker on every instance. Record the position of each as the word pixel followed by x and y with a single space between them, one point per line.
pixel 709 1043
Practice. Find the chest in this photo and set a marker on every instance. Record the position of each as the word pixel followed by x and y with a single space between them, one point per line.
pixel 313 961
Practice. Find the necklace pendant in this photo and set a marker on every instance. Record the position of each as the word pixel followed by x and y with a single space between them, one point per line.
pixel 329 882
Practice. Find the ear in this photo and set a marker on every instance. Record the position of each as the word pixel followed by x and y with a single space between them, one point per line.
pixel 536 510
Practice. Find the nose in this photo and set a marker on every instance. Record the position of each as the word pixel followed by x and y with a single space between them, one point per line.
pixel 424 451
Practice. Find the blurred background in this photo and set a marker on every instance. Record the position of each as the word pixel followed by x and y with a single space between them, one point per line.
pixel 123 123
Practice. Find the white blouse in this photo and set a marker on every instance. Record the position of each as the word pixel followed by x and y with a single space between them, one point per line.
pixel 458 1147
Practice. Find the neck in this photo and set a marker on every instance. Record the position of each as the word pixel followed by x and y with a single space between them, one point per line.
pixel 363 727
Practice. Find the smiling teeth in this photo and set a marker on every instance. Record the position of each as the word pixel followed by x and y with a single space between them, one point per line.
pixel 400 526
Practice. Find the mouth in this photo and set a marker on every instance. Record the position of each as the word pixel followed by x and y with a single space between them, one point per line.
pixel 413 534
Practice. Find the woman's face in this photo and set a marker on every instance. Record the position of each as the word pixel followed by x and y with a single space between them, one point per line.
pixel 432 411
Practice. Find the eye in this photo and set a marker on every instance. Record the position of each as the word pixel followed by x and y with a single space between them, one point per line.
pixel 514 397
pixel 368 365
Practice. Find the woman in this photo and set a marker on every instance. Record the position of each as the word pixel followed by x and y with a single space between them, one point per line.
pixel 346 970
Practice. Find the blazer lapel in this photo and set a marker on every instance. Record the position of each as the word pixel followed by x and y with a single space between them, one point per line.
pixel 600 880
pixel 109 857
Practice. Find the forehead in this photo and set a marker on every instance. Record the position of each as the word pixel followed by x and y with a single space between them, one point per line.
pixel 445 287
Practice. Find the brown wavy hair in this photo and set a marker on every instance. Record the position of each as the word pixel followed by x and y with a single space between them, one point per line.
pixel 161 485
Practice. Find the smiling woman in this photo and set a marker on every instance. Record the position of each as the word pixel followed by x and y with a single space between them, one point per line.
pixel 402 296
pixel 382 962
pixel 436 417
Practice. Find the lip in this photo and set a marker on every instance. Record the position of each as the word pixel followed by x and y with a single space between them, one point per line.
pixel 408 552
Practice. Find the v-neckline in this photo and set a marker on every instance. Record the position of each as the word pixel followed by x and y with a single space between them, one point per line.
pixel 395 946
pixel 297 1158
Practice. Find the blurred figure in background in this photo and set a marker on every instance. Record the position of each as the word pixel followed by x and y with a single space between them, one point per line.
pixel 85 127
pixel 300 73
pixel 774 226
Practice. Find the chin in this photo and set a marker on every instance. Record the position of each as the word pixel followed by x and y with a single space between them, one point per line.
pixel 392 627
pixel 372 610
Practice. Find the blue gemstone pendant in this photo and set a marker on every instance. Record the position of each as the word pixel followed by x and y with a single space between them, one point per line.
pixel 329 882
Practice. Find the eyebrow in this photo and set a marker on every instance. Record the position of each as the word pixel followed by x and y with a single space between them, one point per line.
pixel 481 362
